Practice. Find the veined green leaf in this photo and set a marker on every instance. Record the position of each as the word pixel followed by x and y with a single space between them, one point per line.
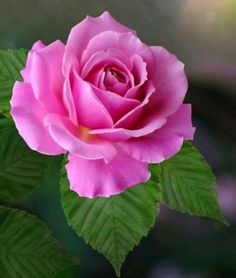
pixel 27 247
pixel 11 62
pixel 188 184
pixel 113 225
pixel 21 169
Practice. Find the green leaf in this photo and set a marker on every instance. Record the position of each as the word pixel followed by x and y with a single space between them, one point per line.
pixel 69 272
pixel 11 62
pixel 5 122
pixel 27 247
pixel 21 170
pixel 188 184
pixel 114 225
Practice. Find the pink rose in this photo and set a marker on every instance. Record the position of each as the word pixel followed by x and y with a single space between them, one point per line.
pixel 110 101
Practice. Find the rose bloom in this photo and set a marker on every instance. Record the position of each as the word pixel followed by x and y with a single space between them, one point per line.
pixel 109 101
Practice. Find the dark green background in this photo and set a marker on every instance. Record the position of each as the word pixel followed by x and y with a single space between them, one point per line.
pixel 202 34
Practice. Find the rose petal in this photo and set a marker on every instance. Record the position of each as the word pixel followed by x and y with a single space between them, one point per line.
pixel 114 80
pixel 118 88
pixel 46 77
pixel 116 105
pixel 130 119
pixel 126 42
pixel 93 178
pixel 170 81
pixel 94 69
pixel 69 101
pixel 139 72
pixel 102 58
pixel 76 140
pixel 91 113
pixel 69 63
pixel 164 142
pixel 29 115
pixel 81 34
pixel 26 71
pixel 122 134
pixel 121 130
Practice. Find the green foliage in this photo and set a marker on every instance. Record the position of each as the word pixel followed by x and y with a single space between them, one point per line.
pixel 11 62
pixel 114 225
pixel 188 184
pixel 21 169
pixel 27 248
pixel 5 122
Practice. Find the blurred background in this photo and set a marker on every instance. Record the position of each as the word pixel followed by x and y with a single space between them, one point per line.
pixel 202 33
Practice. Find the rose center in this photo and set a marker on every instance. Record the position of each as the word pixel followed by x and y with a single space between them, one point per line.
pixel 115 80
pixel 113 76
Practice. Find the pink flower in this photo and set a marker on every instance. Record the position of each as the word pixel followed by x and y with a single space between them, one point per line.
pixel 110 101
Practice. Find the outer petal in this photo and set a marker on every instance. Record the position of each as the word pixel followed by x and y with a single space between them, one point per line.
pixel 165 142
pixel 29 115
pixel 68 101
pixel 81 34
pixel 26 71
pixel 46 77
pixel 169 80
pixel 122 134
pixel 93 178
pixel 76 139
